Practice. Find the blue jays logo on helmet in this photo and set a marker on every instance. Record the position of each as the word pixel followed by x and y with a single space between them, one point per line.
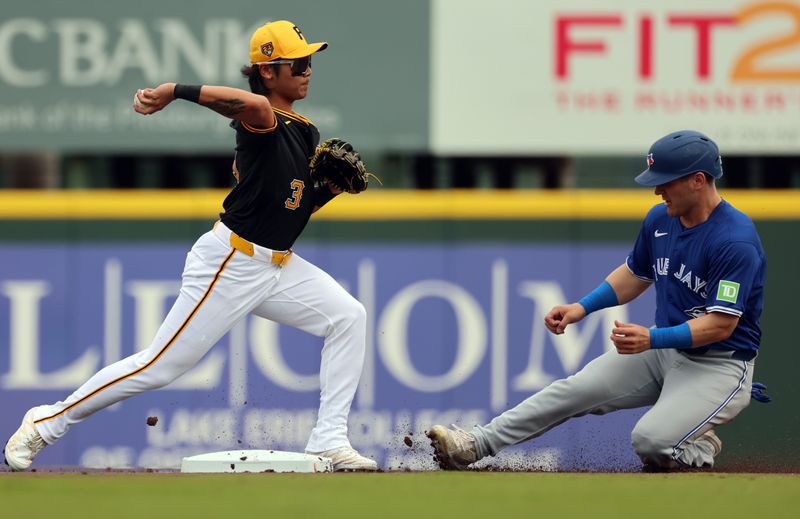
pixel 679 154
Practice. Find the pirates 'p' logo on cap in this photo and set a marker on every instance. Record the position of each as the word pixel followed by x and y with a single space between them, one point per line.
pixel 650 160
pixel 267 49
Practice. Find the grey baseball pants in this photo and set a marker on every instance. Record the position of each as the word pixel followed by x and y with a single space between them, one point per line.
pixel 690 394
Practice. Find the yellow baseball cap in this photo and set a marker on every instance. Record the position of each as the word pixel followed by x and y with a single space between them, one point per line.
pixel 281 40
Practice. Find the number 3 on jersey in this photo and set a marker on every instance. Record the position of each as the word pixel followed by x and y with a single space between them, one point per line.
pixel 293 202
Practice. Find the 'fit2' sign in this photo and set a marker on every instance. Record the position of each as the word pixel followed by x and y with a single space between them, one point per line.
pixel 750 65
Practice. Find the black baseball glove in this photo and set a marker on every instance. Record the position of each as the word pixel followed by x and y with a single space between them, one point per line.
pixel 336 162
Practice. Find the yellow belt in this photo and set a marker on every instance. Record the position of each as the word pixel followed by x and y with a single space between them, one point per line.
pixel 278 257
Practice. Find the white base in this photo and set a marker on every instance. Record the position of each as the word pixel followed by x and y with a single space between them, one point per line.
pixel 255 461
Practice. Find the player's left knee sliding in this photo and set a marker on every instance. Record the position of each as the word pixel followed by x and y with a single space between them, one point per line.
pixel 652 450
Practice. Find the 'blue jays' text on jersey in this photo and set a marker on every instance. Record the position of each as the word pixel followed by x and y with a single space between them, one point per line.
pixel 717 266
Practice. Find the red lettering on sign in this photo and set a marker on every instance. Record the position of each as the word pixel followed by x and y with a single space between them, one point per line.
pixel 646 47
pixel 566 46
pixel 702 25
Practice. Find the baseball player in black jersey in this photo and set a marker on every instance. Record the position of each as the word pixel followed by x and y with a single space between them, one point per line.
pixel 245 264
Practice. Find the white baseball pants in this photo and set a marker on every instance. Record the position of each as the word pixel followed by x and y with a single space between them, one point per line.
pixel 221 285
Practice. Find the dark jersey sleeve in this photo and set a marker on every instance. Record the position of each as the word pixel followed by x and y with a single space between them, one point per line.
pixel 247 133
pixel 733 270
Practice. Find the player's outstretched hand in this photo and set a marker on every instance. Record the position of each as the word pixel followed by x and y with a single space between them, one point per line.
pixel 560 316
pixel 152 100
pixel 630 338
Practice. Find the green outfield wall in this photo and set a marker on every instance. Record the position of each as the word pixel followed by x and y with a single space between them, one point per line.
pixel 762 434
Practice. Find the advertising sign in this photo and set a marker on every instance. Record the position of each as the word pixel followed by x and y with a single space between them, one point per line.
pixel 610 78
pixel 455 335
pixel 69 70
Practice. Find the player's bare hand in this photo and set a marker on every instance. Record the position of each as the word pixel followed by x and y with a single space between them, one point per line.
pixel 560 316
pixel 151 100
pixel 630 338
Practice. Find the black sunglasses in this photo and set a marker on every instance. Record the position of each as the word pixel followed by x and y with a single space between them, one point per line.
pixel 299 65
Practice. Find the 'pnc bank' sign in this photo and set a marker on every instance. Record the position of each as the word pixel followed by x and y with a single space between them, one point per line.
pixel 82 52
pixel 68 72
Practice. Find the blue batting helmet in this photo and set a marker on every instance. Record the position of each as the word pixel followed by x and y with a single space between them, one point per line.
pixel 679 154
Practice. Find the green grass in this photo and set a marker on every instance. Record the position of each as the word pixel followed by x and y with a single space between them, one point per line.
pixel 402 495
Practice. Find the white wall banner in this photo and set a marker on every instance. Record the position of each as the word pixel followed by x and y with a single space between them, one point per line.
pixel 579 76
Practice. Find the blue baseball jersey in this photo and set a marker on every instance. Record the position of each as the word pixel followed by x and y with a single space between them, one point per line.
pixel 717 266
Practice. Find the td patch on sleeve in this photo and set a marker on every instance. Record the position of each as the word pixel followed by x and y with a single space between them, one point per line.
pixel 728 291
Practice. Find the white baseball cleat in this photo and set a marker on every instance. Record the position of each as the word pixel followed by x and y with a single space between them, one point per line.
pixel 454 448
pixel 347 459
pixel 24 445
pixel 711 437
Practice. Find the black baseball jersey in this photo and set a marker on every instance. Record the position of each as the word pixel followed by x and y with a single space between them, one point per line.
pixel 274 196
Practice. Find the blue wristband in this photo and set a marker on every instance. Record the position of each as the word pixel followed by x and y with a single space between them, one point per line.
pixel 601 297
pixel 678 337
